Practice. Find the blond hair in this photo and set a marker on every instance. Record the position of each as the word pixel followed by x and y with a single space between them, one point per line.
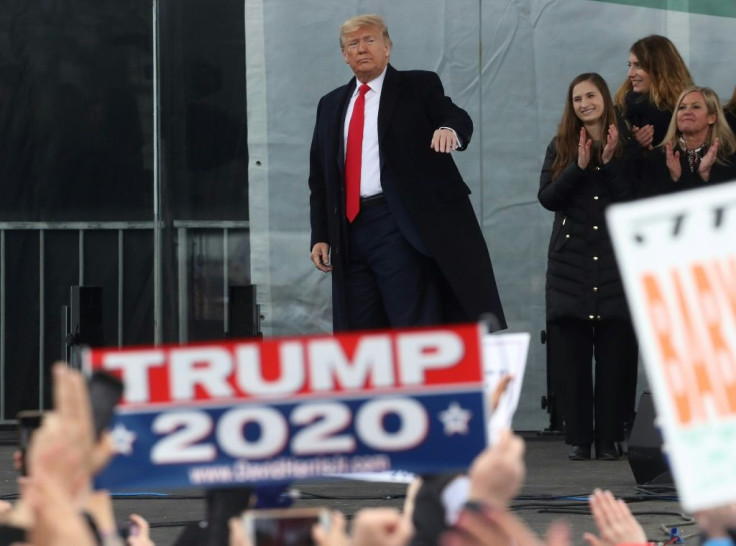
pixel 719 129
pixel 359 21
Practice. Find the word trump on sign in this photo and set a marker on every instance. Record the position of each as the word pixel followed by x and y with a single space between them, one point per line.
pixel 677 256
pixel 287 368
pixel 216 413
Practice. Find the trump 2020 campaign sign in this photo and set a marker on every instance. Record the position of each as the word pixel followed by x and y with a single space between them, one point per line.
pixel 225 413
pixel 677 256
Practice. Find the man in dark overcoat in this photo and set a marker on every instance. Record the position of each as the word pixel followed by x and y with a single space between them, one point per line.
pixel 402 241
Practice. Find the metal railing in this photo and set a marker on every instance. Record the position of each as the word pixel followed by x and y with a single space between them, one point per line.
pixel 183 230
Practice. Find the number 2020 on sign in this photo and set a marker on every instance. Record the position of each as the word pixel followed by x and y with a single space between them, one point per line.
pixel 213 415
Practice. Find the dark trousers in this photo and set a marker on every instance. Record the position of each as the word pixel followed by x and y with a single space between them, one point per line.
pixel 388 282
pixel 628 405
pixel 593 412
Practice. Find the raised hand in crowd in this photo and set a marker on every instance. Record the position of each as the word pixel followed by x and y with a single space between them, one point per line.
pixel 67 429
pixel 6 508
pixel 475 526
pixel 480 525
pixel 99 508
pixel 497 474
pixel 60 466
pixel 717 522
pixel 237 534
pixel 56 520
pixel 381 527
pixel 335 534
pixel 496 477
pixel 371 527
pixel 139 532
pixel 614 520
pixel 411 497
pixel 62 458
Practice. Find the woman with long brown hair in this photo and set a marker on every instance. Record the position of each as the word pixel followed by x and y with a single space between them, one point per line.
pixel 587 315
pixel 645 101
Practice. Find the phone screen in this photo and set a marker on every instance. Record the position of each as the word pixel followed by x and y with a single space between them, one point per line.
pixel 105 391
pixel 290 527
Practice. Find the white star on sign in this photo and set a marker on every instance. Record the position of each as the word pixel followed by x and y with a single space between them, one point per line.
pixel 455 419
pixel 122 439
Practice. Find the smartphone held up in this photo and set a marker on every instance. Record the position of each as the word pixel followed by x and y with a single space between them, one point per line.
pixel 284 527
pixel 105 391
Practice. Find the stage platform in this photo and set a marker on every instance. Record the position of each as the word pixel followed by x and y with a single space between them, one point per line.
pixel 555 489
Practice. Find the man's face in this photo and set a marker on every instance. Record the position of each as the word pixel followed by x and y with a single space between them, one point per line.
pixel 366 52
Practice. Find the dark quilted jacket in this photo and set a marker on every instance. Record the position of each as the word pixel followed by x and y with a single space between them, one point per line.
pixel 583 281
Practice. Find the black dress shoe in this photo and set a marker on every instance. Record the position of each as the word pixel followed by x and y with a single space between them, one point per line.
pixel 606 451
pixel 579 453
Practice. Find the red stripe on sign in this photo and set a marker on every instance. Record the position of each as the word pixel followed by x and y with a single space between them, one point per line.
pixel 297 367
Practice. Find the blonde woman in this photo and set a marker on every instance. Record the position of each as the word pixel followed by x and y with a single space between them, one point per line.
pixel 698 148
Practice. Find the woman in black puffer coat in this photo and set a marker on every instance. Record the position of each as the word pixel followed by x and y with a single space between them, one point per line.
pixel 587 315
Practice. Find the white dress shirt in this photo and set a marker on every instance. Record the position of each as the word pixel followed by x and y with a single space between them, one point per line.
pixel 370 166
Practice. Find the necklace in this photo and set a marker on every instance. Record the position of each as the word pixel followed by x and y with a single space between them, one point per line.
pixel 694 155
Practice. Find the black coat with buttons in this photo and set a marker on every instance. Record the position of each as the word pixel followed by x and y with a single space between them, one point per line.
pixel 654 176
pixel 583 281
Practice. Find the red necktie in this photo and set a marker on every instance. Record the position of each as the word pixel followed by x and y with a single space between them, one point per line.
pixel 353 155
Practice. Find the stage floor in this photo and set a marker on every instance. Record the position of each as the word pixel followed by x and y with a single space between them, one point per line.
pixel 555 489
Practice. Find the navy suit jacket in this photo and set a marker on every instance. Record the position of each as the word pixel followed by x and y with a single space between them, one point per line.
pixel 424 189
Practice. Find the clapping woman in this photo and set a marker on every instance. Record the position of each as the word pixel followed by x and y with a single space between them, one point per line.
pixel 645 102
pixel 657 75
pixel 698 148
pixel 587 315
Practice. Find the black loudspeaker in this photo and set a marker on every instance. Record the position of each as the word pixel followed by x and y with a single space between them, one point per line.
pixel 243 312
pixel 85 316
pixel 645 446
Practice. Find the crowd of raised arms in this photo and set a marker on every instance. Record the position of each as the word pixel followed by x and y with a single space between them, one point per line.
pixel 58 506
